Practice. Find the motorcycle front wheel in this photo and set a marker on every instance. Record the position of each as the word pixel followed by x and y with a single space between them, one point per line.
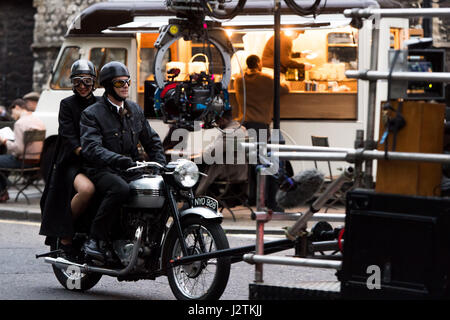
pixel 199 280
pixel 73 280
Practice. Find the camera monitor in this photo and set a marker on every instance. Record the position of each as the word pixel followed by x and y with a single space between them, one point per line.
pixel 425 60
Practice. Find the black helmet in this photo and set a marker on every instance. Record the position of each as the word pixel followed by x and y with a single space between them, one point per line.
pixel 82 67
pixel 112 70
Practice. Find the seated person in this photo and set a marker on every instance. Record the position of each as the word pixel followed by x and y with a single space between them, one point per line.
pixel 220 149
pixel 31 100
pixel 25 120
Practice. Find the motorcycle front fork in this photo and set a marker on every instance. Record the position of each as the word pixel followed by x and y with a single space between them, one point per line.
pixel 176 220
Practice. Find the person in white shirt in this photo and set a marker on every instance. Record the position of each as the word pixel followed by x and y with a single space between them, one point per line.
pixel 25 120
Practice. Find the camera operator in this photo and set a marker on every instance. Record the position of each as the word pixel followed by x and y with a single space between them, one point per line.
pixel 110 132
pixel 259 107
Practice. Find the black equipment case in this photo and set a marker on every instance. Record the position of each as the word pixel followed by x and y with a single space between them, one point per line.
pixel 406 237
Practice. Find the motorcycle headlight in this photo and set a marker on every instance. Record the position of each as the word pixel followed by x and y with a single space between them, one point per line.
pixel 186 173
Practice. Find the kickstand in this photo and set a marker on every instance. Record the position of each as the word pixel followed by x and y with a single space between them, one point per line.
pixel 48 254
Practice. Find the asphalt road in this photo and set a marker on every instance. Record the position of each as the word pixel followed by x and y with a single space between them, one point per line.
pixel 22 277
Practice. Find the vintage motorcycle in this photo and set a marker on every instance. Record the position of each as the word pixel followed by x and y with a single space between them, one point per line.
pixel 155 233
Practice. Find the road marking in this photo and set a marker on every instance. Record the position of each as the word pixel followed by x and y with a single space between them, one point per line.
pixel 28 223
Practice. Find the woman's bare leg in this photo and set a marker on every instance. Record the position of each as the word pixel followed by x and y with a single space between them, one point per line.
pixel 84 191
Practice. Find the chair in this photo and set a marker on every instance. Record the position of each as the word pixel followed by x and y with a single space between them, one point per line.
pixel 26 176
pixel 322 142
pixel 339 196
pixel 229 192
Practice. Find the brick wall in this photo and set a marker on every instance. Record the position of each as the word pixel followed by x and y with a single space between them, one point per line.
pixel 16 58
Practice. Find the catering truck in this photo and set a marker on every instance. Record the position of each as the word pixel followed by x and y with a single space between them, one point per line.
pixel 322 103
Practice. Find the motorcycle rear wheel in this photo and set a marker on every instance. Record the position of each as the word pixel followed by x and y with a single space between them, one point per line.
pixel 85 282
pixel 200 280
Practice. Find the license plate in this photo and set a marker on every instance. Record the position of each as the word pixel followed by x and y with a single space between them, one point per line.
pixel 207 202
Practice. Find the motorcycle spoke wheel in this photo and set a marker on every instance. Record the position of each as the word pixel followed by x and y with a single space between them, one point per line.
pixel 200 280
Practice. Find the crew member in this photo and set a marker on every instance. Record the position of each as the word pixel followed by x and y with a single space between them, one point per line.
pixel 258 108
pixel 285 52
pixel 68 190
pixel 110 132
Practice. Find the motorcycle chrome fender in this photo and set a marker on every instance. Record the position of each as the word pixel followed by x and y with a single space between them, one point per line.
pixel 201 211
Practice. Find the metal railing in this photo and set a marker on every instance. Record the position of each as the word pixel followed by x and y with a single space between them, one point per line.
pixel 364 151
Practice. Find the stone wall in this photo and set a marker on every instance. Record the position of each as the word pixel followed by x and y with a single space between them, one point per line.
pixel 52 19
pixel 16 59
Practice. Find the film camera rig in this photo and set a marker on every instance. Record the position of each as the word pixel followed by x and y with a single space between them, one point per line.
pixel 199 98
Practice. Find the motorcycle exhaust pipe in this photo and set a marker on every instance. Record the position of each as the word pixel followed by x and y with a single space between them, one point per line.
pixel 62 263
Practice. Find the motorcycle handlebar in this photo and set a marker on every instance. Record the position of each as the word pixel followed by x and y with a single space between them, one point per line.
pixel 145 164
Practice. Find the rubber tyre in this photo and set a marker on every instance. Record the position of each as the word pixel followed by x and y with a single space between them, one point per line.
pixel 222 273
pixel 87 282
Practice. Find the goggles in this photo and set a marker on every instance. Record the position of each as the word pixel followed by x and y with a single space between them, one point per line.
pixel 87 81
pixel 121 83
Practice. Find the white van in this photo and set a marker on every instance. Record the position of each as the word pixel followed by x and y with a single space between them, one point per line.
pixel 336 108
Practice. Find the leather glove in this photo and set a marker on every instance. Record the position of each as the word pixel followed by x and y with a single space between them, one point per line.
pixel 125 163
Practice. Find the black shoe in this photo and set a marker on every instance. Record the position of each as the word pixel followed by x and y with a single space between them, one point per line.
pixel 68 251
pixel 93 249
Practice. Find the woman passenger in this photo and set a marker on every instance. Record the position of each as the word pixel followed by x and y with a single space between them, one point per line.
pixel 68 190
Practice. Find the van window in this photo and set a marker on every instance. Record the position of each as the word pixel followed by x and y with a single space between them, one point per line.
pixel 146 58
pixel 342 48
pixel 101 56
pixel 61 76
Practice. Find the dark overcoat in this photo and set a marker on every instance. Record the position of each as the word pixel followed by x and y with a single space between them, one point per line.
pixel 59 191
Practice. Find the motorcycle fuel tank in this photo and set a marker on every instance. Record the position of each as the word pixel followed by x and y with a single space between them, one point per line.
pixel 147 192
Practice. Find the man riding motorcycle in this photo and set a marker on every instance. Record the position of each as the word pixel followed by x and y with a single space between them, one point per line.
pixel 110 132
